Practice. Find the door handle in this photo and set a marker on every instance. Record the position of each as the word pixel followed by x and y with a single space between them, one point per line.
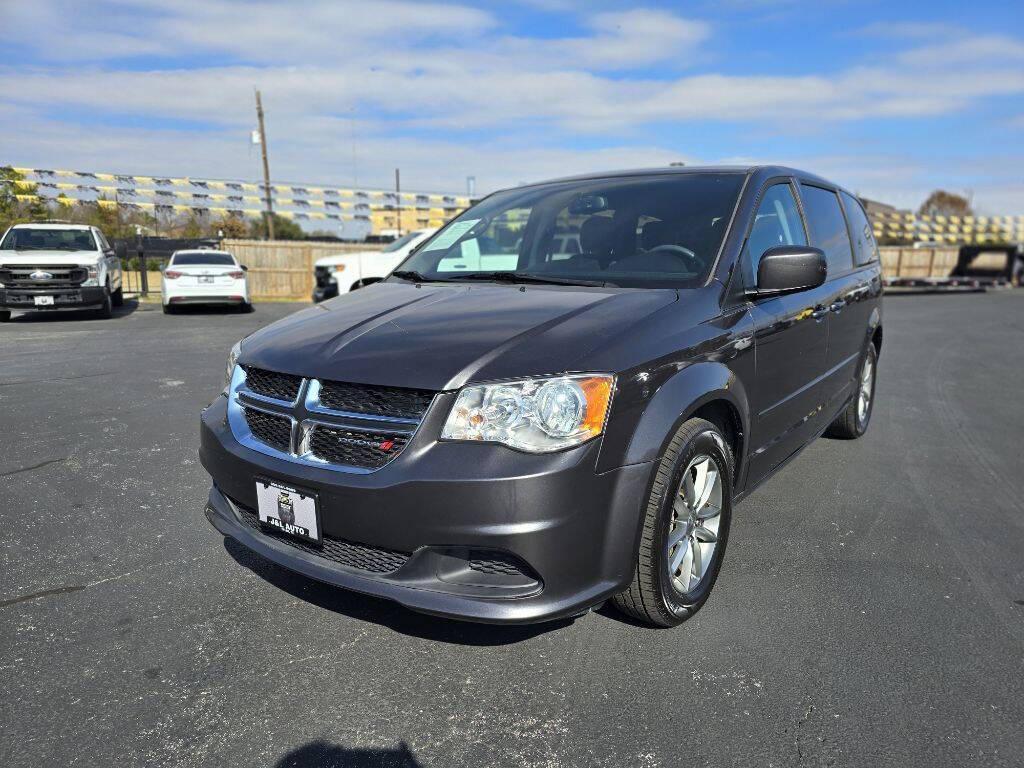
pixel 819 312
pixel 837 306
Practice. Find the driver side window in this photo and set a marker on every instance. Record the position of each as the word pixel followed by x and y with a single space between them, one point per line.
pixel 777 222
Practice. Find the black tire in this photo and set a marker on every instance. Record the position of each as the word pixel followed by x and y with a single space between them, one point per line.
pixel 5 315
pixel 652 598
pixel 849 425
pixel 168 309
pixel 117 297
pixel 106 310
pixel 246 307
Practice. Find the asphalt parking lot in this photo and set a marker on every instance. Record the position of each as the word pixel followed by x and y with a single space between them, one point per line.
pixel 870 610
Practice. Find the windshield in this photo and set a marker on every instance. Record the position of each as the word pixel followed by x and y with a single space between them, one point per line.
pixel 400 242
pixel 26 239
pixel 204 259
pixel 640 231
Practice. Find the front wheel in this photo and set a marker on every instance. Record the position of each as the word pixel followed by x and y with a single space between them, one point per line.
pixel 853 421
pixel 106 310
pixel 685 529
pixel 117 297
pixel 5 315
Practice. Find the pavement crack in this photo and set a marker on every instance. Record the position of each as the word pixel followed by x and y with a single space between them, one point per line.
pixel 55 378
pixel 34 466
pixel 796 733
pixel 44 593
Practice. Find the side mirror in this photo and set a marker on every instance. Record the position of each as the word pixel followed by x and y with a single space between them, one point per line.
pixel 121 250
pixel 788 268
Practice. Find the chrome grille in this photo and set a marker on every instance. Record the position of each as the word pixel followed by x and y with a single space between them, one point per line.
pixel 382 401
pixel 355 448
pixel 62 276
pixel 280 386
pixel 275 431
pixel 358 428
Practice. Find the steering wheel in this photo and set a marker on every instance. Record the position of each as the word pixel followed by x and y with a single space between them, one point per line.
pixel 683 254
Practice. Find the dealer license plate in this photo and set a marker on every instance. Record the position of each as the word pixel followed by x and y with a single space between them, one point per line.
pixel 44 301
pixel 289 510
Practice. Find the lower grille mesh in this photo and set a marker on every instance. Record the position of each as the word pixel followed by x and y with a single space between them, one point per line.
pixel 497 565
pixel 275 431
pixel 347 553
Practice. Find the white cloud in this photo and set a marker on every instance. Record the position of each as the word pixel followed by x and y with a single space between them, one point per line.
pixel 406 67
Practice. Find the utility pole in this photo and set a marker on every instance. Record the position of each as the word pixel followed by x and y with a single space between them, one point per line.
pixel 398 196
pixel 266 167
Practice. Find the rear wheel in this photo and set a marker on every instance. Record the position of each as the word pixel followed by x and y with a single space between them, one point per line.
pixel 853 422
pixel 246 307
pixel 685 529
pixel 168 309
pixel 5 315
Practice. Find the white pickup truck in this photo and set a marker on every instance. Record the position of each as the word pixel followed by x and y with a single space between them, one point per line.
pixel 54 266
pixel 346 272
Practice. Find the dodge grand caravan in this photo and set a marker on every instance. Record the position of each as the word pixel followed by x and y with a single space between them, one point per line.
pixel 521 443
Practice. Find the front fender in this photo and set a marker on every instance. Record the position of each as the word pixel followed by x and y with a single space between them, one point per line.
pixel 679 398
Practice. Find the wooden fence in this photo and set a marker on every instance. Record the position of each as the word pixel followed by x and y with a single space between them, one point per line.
pixel 918 262
pixel 283 269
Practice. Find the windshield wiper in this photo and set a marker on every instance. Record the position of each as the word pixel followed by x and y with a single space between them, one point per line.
pixel 416 277
pixel 526 277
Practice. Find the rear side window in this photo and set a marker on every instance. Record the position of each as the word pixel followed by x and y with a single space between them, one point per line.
pixel 777 222
pixel 864 248
pixel 828 228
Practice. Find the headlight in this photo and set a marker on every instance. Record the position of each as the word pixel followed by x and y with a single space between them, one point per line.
pixel 535 415
pixel 232 362
pixel 93 275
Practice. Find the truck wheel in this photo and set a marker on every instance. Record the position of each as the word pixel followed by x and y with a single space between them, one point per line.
pixel 5 315
pixel 685 529
pixel 106 310
pixel 117 297
pixel 853 422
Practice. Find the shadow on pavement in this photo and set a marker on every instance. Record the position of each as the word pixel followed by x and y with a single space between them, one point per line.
pixel 321 754
pixel 385 612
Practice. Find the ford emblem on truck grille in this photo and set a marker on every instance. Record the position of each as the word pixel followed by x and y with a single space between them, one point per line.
pixel 41 275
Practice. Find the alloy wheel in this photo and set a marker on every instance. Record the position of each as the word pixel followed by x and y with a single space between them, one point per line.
pixel 866 391
pixel 693 531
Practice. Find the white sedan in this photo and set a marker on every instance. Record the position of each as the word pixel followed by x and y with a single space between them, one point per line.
pixel 204 277
pixel 345 272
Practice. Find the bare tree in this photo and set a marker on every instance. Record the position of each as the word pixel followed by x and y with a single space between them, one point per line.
pixel 943 203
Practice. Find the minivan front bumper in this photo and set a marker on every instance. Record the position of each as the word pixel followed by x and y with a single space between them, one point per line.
pixel 572 531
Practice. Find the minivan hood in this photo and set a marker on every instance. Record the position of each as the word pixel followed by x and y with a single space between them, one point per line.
pixel 440 337
pixel 14 258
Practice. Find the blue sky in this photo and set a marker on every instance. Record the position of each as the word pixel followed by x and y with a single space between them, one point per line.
pixel 892 99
